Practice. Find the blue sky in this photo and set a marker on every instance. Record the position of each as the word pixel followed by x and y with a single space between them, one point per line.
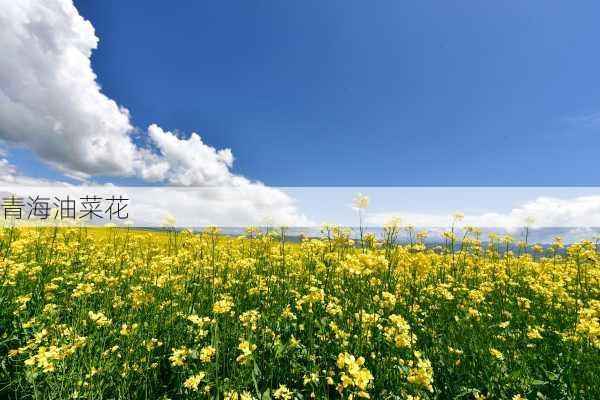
pixel 354 93
pixel 257 106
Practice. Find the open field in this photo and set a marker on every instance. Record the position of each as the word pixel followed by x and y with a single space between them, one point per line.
pixel 117 313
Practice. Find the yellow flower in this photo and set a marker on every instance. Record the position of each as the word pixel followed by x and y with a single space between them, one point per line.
pixel 193 381
pixel 249 319
pixel 534 333
pixel 458 215
pixel 361 202
pixel 247 349
pixel 294 342
pixel 422 374
pixel 311 378
pixel 179 356
pixel 99 318
pixel 207 353
pixel 287 313
pixel 283 393
pixel 169 221
pixel 233 395
pixel 223 306
pixel 353 373
pixel 399 332
pixel 23 300
pixel 497 354
pixel 196 320
pixel 126 329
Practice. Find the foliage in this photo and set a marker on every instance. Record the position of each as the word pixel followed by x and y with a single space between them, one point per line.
pixel 119 313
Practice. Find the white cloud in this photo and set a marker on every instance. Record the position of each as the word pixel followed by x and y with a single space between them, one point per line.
pixel 9 176
pixel 582 211
pixel 189 162
pixel 50 101
pixel 52 104
pixel 192 206
pixel 222 206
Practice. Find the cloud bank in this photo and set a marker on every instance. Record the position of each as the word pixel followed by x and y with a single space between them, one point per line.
pixel 582 211
pixel 52 104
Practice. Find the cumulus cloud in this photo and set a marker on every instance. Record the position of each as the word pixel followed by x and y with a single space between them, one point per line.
pixel 52 104
pixel 188 162
pixel 50 101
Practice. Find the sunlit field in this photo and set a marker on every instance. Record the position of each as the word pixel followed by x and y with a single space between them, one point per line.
pixel 118 313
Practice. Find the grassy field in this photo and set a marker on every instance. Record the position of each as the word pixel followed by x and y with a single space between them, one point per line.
pixel 117 313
